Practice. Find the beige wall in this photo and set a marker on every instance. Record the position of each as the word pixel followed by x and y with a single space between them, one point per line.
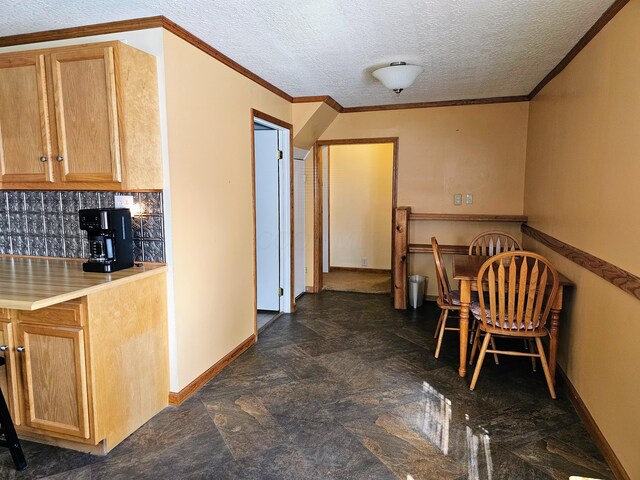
pixel 360 181
pixel 477 149
pixel 209 136
pixel 583 166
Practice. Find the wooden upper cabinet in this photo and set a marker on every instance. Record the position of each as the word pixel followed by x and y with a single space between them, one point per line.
pixel 25 139
pixel 91 111
pixel 84 87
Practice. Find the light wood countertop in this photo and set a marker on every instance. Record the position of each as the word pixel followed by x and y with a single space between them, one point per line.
pixel 29 283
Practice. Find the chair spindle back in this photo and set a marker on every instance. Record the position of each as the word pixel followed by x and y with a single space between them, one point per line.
pixel 489 244
pixel 444 288
pixel 516 291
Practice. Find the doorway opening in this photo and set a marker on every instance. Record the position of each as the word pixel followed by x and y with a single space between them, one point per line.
pixel 355 195
pixel 273 220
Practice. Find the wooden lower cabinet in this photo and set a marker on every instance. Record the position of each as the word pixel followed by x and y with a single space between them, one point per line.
pixel 54 379
pixel 9 383
pixel 85 374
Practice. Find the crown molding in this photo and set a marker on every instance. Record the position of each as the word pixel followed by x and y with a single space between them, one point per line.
pixel 163 22
pixel 591 33
pixel 443 103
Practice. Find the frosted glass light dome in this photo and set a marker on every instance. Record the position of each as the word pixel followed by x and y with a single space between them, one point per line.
pixel 398 75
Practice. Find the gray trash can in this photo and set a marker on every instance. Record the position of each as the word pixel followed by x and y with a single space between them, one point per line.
pixel 415 289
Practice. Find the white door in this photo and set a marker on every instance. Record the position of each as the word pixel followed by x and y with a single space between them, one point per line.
pixel 267 219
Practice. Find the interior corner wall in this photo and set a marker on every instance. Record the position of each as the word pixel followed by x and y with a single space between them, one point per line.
pixel 209 139
pixel 582 187
pixel 478 149
pixel 309 219
pixel 360 203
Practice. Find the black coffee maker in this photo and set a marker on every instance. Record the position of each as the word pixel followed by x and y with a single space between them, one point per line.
pixel 110 239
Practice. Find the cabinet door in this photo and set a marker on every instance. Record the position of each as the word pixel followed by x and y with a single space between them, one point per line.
pixel 86 115
pixel 8 371
pixel 25 140
pixel 54 379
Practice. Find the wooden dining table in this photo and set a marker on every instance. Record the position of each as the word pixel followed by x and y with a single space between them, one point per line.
pixel 465 270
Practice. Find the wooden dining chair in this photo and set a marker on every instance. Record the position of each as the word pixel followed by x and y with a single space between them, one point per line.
pixel 448 300
pixel 492 243
pixel 516 291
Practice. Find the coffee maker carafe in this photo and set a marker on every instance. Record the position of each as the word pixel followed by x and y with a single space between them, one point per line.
pixel 110 239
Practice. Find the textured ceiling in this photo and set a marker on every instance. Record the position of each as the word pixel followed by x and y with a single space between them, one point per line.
pixel 469 48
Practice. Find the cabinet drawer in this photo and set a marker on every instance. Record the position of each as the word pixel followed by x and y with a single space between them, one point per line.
pixel 65 314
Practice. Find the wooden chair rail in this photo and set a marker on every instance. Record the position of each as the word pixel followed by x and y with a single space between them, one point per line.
pixel 401 247
pixel 455 217
pixel 450 249
pixel 622 279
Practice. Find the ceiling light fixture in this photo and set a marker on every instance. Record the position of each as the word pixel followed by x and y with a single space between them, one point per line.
pixel 398 75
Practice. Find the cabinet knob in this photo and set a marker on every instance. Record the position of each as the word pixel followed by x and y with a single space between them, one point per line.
pixel 4 348
pixel 43 159
pixel 59 158
pixel 20 349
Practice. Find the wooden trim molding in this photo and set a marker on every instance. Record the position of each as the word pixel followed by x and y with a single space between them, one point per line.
pixel 161 21
pixel 443 103
pixel 269 118
pixel 454 217
pixel 322 98
pixel 141 24
pixel 222 58
pixel 622 279
pixel 591 33
pixel 449 249
pixel 176 398
pixel 83 31
pixel 318 203
pixel 593 429
pixel 359 269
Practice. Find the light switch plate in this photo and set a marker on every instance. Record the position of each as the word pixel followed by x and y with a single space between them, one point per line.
pixel 457 199
pixel 469 198
pixel 124 201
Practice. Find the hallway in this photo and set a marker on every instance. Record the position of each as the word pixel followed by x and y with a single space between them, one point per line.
pixel 347 388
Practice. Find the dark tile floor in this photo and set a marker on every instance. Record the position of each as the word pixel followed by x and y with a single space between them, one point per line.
pixel 347 388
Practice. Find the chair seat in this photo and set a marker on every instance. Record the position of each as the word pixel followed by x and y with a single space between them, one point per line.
pixel 476 311
pixel 455 297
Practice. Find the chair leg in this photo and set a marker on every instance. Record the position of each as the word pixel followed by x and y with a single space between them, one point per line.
pixel 545 367
pixel 474 348
pixel 473 331
pixel 531 350
pixel 495 355
pixel 10 436
pixel 435 335
pixel 442 329
pixel 483 352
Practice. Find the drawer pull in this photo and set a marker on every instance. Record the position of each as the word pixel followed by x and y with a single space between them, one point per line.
pixel 59 158
pixel 20 349
pixel 43 159
pixel 4 348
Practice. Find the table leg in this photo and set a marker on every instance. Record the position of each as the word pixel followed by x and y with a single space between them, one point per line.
pixel 553 334
pixel 465 299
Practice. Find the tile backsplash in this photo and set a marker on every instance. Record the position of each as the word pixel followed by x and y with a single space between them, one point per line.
pixel 46 223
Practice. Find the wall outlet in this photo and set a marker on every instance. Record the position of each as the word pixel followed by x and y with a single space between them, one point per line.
pixel 124 201
pixel 363 262
pixel 469 198
pixel 457 199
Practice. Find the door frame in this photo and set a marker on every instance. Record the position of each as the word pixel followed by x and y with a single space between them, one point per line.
pixel 318 200
pixel 287 246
